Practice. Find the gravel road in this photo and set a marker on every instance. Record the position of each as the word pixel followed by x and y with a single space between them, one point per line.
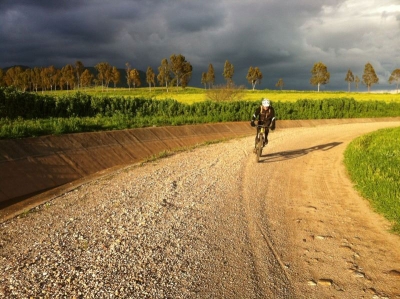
pixel 211 223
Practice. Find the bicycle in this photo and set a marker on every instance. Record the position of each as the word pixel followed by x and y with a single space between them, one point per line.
pixel 260 139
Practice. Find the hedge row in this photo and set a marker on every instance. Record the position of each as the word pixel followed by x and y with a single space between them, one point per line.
pixel 15 104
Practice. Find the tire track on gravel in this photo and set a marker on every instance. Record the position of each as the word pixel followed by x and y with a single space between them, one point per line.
pixel 272 278
pixel 327 237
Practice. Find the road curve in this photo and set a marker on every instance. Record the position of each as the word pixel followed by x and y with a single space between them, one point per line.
pixel 331 242
pixel 212 223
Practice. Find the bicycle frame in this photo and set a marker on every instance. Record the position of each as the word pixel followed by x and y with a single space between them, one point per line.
pixel 261 139
pixel 261 133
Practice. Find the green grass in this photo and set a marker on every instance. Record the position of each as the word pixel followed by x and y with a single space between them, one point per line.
pixel 20 128
pixel 373 162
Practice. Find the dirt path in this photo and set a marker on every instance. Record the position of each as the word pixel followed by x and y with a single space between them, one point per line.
pixel 212 223
pixel 332 244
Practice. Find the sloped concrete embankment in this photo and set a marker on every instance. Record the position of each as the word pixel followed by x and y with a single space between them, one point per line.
pixel 33 166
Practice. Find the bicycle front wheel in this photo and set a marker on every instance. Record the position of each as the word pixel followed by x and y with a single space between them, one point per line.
pixel 259 150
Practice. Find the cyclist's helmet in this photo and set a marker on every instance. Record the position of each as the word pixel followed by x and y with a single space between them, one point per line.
pixel 266 103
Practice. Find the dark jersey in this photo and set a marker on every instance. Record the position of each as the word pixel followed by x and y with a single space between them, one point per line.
pixel 264 116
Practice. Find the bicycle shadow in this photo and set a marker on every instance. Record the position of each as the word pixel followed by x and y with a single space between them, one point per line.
pixel 276 157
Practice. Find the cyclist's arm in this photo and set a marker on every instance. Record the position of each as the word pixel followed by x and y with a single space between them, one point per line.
pixel 256 114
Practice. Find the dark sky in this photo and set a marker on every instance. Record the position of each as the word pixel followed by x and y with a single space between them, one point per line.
pixel 283 38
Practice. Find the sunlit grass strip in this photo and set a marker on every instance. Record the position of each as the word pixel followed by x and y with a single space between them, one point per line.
pixel 373 162
pixel 20 128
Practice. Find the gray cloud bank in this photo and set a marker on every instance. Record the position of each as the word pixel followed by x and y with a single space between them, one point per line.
pixel 283 38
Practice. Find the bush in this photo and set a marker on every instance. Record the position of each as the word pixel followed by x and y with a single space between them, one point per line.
pixel 82 112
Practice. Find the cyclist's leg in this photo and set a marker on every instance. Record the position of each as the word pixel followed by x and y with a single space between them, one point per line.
pixel 266 136
pixel 255 140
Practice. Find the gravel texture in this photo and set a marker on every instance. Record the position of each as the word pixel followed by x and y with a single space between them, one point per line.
pixel 156 230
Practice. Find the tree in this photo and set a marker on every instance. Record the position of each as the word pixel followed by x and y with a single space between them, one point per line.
pixel 115 76
pixel 229 70
pixel 204 79
pixel 44 82
pixel 280 83
pixel 349 78
pixel 319 74
pixel 56 79
pixel 25 79
pixel 86 78
pixel 135 78
pixel 128 71
pixel 13 76
pixel 104 73
pixel 68 75
pixel 51 72
pixel 181 69
pixel 79 68
pixel 164 73
pixel 45 77
pixel 210 77
pixel 254 76
pixel 395 77
pixel 150 77
pixel 357 82
pixel 186 78
pixel 35 78
pixel 369 76
pixel 109 75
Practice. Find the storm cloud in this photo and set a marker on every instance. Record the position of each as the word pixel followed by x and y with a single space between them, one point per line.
pixel 283 38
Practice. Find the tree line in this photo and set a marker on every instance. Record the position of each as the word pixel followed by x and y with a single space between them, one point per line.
pixel 320 75
pixel 176 71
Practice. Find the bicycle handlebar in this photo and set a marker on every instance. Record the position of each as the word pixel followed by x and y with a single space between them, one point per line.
pixel 265 126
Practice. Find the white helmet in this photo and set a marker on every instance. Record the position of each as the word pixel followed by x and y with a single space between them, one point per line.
pixel 266 103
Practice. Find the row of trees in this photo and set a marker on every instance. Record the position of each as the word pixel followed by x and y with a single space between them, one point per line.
pixel 320 75
pixel 175 71
pixel 51 78
pixel 254 76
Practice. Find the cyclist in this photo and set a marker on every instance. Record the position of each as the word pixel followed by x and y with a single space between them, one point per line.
pixel 265 114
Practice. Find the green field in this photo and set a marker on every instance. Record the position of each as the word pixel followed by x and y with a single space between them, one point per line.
pixel 193 95
pixel 373 162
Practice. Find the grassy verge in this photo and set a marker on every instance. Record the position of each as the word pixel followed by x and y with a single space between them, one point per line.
pixel 20 128
pixel 373 162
